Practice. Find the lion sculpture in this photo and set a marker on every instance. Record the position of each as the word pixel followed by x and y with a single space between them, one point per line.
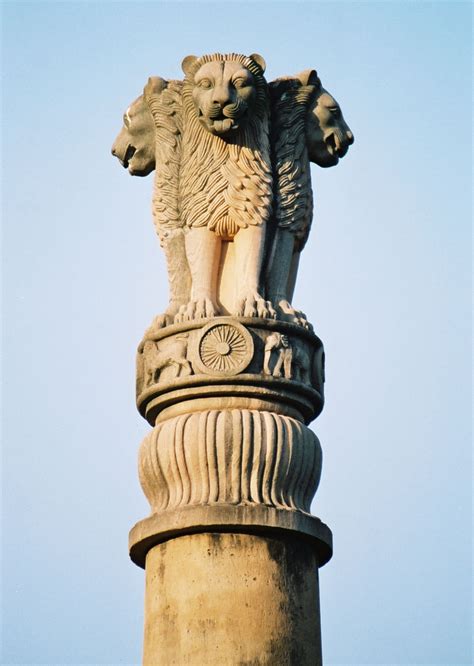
pixel 151 139
pixel 307 126
pixel 219 173
pixel 135 144
pixel 225 180
pixel 208 139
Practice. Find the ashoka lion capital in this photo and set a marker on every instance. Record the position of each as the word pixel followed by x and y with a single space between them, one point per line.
pixel 231 374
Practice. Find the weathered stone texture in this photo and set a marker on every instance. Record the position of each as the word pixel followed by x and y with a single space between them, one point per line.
pixel 230 599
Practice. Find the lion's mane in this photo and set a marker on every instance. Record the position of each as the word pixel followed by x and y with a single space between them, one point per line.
pixel 293 201
pixel 164 101
pixel 226 185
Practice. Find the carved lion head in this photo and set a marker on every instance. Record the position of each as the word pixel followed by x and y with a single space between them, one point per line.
pixel 135 144
pixel 226 90
pixel 328 135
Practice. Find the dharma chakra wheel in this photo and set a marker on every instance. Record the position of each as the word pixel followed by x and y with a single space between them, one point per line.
pixel 224 348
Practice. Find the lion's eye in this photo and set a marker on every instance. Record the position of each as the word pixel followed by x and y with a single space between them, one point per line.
pixel 239 83
pixel 335 111
pixel 205 83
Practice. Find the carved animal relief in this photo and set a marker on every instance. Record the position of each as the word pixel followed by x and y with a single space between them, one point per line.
pixel 291 361
pixel 266 360
pixel 173 357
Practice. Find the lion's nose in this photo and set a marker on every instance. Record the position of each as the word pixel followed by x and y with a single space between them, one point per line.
pixel 222 96
pixel 350 137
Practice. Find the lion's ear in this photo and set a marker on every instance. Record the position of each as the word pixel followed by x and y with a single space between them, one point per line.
pixel 155 86
pixel 187 63
pixel 279 87
pixel 309 78
pixel 259 60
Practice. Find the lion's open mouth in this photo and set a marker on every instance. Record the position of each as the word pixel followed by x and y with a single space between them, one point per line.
pixel 129 153
pixel 331 145
pixel 336 148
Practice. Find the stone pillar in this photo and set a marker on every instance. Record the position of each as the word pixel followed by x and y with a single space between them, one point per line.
pixel 230 468
pixel 230 375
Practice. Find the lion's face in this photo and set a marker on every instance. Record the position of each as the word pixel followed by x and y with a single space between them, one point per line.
pixel 135 144
pixel 328 135
pixel 224 94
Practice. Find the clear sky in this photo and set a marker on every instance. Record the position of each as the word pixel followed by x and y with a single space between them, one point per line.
pixel 385 279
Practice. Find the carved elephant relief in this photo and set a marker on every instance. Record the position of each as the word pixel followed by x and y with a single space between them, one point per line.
pixel 283 358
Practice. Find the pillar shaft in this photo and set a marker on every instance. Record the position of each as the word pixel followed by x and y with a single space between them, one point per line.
pixel 227 598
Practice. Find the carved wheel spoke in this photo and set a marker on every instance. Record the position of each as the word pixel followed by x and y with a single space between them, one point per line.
pixel 224 348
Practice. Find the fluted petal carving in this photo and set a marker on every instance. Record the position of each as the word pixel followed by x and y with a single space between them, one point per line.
pixel 230 457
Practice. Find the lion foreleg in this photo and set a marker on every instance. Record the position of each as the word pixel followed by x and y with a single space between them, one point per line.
pixel 300 316
pixel 203 249
pixel 179 275
pixel 279 265
pixel 249 247
pixel 280 277
pixel 292 275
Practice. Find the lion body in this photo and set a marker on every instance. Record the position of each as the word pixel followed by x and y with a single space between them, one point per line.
pixel 307 126
pixel 225 185
pixel 226 193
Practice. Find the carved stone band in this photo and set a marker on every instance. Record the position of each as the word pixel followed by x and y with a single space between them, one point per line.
pixel 255 363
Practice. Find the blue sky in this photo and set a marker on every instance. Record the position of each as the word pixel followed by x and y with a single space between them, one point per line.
pixel 385 278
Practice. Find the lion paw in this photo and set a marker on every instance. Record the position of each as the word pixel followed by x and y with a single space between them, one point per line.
pixel 202 308
pixel 159 322
pixel 254 305
pixel 289 313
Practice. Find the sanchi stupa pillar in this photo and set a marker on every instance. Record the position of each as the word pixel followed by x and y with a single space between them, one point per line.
pixel 230 376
